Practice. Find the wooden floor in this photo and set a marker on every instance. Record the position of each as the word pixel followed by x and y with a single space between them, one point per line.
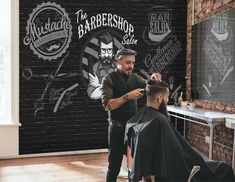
pixel 72 168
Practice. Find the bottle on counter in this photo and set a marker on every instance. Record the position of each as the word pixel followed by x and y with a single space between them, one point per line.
pixel 180 99
pixel 176 99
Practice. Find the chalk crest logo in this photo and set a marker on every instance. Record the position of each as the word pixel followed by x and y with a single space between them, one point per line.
pixel 159 28
pixel 49 31
pixel 220 28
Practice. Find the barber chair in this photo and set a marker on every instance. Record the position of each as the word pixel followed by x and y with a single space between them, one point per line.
pixel 194 170
pixel 129 165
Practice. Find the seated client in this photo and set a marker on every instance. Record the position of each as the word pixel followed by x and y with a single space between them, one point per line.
pixel 159 150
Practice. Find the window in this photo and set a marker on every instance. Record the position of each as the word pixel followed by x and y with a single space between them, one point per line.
pixel 5 61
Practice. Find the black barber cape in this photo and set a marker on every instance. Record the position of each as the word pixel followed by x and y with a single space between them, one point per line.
pixel 159 149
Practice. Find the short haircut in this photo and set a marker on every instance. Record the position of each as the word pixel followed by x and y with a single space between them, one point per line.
pixel 124 52
pixel 154 87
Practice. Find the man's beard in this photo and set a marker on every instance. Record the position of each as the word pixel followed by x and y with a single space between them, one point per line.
pixel 107 60
pixel 129 72
pixel 163 109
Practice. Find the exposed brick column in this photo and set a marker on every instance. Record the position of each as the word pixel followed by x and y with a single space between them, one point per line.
pixel 223 137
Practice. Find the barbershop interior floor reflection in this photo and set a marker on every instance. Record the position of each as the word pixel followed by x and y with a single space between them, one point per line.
pixel 70 168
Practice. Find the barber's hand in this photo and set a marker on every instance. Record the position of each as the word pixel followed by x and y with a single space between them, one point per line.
pixel 94 80
pixel 135 94
pixel 156 76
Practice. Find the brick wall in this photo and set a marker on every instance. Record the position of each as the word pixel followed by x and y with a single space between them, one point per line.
pixel 223 140
pixel 223 137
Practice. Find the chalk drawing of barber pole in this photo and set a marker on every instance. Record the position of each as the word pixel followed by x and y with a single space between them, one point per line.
pixel 97 59
pixel 48 31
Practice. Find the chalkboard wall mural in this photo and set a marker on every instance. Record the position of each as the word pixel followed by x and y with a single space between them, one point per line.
pixel 68 46
pixel 213 74
pixel 160 35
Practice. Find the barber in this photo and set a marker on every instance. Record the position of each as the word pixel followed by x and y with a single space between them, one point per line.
pixel 120 91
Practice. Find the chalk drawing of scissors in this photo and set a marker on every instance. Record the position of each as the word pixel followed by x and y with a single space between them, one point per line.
pixel 39 104
pixel 28 74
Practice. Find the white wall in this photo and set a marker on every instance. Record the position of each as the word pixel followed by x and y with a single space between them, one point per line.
pixel 9 140
pixel 9 132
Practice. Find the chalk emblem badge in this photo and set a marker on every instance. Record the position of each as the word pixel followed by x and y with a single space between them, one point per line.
pixel 49 31
pixel 160 26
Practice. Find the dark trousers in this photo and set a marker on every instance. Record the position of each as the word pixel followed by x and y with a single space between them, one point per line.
pixel 116 150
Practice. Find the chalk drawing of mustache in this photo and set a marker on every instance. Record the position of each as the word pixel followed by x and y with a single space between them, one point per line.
pixel 39 104
pixel 62 95
pixel 52 47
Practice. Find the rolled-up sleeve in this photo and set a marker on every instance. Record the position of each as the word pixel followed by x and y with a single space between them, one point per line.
pixel 106 90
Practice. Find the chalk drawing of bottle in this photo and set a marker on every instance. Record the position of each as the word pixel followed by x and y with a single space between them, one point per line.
pixel 180 99
pixel 171 82
pixel 210 80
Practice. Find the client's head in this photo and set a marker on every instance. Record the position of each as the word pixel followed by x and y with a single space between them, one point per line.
pixel 157 93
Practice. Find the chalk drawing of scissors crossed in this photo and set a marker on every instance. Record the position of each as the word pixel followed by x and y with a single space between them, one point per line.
pixel 27 74
pixel 39 104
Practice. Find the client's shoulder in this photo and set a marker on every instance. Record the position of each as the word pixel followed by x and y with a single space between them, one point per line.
pixel 137 116
pixel 160 117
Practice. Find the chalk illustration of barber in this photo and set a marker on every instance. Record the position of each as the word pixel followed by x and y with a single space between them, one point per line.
pixel 103 66
pixel 110 33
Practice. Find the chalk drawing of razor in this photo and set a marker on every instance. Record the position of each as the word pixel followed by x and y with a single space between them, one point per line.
pixel 62 95
pixel 226 75
pixel 207 90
